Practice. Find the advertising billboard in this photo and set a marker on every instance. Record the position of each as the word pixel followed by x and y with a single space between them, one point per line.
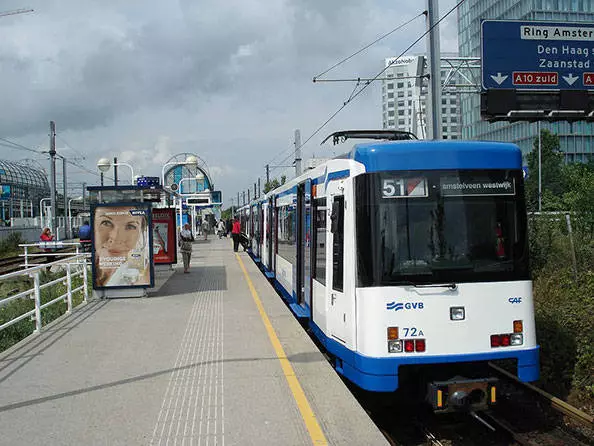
pixel 164 236
pixel 122 245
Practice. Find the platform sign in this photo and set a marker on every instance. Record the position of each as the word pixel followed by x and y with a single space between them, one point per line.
pixel 525 55
pixel 4 192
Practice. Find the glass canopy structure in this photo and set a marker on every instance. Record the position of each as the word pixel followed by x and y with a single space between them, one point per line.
pixel 21 189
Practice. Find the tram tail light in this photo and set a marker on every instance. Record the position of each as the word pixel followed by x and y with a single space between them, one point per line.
pixel 495 341
pixel 392 333
pixel 409 346
pixel 505 340
pixel 419 345
pixel 518 327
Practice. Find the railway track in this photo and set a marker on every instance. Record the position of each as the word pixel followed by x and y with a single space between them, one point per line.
pixel 15 263
pixel 524 415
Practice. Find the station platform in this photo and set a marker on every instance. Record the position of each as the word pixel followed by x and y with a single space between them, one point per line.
pixel 212 357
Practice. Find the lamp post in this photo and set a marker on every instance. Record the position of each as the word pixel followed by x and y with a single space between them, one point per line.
pixel 191 160
pixel 70 212
pixel 104 164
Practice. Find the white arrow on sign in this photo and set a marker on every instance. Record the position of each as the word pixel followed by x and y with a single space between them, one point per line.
pixel 499 78
pixel 570 79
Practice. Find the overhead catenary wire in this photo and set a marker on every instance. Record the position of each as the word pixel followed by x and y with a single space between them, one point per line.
pixel 376 77
pixel 71 148
pixel 14 145
pixel 315 78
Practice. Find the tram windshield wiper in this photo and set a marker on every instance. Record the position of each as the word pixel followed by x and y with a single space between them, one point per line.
pixel 452 286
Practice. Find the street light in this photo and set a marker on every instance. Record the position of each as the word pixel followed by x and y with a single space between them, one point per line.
pixel 104 164
pixel 190 160
pixel 42 214
pixel 70 212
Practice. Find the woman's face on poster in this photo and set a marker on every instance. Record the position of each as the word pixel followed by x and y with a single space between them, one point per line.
pixel 116 231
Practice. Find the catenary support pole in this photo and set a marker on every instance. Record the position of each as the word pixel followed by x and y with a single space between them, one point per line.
pixel 65 191
pixel 433 61
pixel 297 153
pixel 52 154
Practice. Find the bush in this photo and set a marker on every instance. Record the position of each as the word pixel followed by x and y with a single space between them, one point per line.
pixel 564 305
pixel 10 245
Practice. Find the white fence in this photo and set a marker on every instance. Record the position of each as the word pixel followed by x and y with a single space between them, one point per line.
pixel 68 269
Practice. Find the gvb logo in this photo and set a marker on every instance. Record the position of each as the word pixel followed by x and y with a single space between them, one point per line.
pixel 404 306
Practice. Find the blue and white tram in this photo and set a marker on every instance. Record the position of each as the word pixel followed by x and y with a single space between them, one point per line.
pixel 408 256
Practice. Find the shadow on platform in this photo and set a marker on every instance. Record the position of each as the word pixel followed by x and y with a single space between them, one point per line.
pixel 200 278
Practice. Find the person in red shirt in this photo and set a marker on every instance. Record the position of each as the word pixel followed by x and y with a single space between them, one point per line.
pixel 235 234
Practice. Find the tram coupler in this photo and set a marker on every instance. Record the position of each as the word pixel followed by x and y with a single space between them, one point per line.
pixel 462 395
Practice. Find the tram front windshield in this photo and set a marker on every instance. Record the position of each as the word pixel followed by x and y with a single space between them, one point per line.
pixel 440 227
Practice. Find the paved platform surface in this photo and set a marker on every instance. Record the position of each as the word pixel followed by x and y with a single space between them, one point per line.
pixel 191 364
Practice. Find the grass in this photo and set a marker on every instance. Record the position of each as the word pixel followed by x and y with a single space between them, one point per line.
pixel 19 331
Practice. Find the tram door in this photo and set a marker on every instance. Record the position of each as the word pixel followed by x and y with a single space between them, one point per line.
pixel 337 305
pixel 307 245
pixel 303 285
pixel 300 229
pixel 269 230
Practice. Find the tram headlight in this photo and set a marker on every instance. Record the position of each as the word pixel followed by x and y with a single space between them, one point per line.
pixel 395 346
pixel 457 313
pixel 517 339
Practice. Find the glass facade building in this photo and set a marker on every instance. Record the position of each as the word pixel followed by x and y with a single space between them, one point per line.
pixel 577 140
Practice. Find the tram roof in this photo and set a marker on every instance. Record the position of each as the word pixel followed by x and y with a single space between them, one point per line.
pixel 436 155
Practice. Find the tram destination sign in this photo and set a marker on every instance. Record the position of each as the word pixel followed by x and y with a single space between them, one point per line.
pixel 524 55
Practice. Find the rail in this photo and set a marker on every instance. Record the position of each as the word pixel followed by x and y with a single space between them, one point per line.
pixel 49 249
pixel 555 403
pixel 72 267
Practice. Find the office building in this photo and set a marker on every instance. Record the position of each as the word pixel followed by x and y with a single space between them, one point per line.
pixel 577 140
pixel 403 98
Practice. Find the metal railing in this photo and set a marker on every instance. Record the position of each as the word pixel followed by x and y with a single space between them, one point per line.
pixel 72 267
pixel 47 246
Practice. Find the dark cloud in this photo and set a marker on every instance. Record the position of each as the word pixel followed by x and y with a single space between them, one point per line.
pixel 228 80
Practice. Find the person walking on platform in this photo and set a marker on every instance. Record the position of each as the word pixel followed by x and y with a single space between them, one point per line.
pixel 235 234
pixel 221 229
pixel 185 244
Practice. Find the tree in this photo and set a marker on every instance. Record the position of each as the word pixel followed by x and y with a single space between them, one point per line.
pixel 552 173
pixel 270 185
pixel 283 179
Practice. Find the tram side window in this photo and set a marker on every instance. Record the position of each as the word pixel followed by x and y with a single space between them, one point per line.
pixel 338 244
pixel 319 231
pixel 286 233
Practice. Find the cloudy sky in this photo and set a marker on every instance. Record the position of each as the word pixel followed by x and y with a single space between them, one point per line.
pixel 229 81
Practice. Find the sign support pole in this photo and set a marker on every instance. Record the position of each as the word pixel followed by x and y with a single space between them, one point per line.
pixel 539 167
